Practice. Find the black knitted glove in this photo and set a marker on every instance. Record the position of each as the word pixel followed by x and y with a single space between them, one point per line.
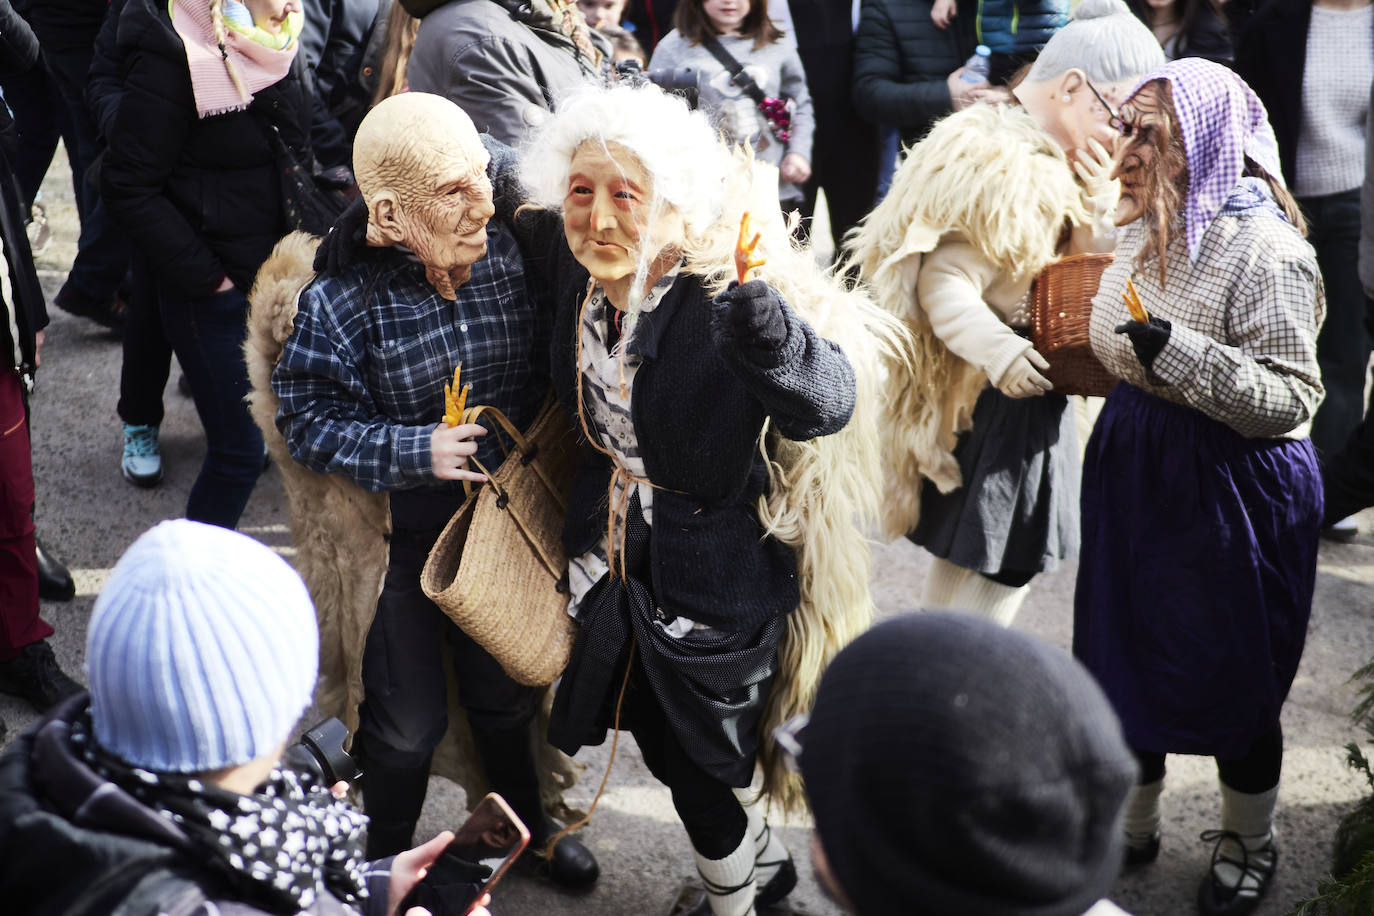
pixel 1147 339
pixel 346 240
pixel 752 314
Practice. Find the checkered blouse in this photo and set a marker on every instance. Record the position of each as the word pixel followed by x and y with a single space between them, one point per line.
pixel 1245 316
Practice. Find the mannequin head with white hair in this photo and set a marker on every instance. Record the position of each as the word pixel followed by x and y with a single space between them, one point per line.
pixel 1090 64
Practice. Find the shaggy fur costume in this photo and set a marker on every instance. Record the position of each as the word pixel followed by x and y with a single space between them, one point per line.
pixel 990 175
pixel 825 494
pixel 339 531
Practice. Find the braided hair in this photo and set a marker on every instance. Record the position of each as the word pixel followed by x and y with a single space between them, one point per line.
pixel 221 36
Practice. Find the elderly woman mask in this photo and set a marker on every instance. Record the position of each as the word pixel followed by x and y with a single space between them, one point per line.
pixel 421 168
pixel 616 227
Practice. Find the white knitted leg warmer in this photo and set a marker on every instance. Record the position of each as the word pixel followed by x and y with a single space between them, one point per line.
pixel 730 881
pixel 769 852
pixel 986 598
pixel 943 582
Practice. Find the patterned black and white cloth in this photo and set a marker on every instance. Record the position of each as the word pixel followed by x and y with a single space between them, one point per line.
pixel 608 385
pixel 283 846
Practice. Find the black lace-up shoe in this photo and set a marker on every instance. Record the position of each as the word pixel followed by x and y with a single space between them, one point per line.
pixel 35 676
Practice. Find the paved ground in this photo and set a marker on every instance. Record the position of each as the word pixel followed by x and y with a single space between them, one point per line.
pixel 88 514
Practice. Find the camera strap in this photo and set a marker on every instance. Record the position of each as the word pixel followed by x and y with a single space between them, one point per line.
pixel 774 111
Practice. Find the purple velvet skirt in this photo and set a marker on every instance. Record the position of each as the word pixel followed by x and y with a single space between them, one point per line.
pixel 1195 579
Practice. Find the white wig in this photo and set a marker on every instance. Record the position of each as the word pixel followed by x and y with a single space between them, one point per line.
pixel 678 147
pixel 1103 39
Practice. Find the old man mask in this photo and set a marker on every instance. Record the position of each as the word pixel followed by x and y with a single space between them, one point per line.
pixel 421 168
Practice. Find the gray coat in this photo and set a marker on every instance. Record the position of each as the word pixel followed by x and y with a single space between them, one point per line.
pixel 506 74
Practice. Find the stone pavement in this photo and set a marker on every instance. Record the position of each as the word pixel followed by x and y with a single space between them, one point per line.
pixel 88 515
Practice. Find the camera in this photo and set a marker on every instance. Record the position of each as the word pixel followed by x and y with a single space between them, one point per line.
pixel 320 752
pixel 683 81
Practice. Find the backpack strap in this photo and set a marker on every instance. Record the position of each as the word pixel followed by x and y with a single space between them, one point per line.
pixel 738 75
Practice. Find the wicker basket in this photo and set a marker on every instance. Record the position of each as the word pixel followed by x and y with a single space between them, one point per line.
pixel 498 570
pixel 1061 301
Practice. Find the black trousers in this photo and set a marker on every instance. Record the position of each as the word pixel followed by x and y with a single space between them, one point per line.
pixel 1257 771
pixel 405 711
pixel 708 808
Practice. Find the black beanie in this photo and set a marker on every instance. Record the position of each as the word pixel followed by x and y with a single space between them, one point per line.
pixel 956 767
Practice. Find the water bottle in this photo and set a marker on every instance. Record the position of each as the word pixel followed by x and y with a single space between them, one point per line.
pixel 977 67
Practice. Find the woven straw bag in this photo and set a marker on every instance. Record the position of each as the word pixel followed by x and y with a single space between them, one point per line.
pixel 498 570
pixel 1061 301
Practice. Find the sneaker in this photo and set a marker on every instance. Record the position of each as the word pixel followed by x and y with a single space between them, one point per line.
pixel 35 676
pixel 1239 876
pixel 142 462
pixel 39 232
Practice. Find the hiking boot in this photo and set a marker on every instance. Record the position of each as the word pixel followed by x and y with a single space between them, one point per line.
pixel 35 676
pixel 142 462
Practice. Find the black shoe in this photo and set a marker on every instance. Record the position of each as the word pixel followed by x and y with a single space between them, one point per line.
pixel 778 886
pixel 35 676
pixel 573 867
pixel 1216 897
pixel 54 580
pixel 1142 854
pixel 108 313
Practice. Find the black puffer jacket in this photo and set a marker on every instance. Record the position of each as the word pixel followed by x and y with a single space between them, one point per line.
pixel 200 196
pixel 74 844
pixel 18 52
pixel 902 62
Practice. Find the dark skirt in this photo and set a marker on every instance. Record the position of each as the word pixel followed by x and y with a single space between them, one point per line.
pixel 711 684
pixel 1018 508
pixel 1196 577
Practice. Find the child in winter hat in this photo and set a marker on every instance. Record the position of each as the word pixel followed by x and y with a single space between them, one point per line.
pixel 957 767
pixel 202 650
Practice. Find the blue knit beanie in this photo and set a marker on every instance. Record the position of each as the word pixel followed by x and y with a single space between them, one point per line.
pixel 202 650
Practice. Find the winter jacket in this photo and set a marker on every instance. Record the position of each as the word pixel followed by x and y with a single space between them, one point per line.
pixel 1271 56
pixel 24 311
pixel 1019 26
pixel 201 197
pixel 336 44
pixel 902 62
pixel 503 71
pixel 65 25
pixel 74 844
pixel 1208 37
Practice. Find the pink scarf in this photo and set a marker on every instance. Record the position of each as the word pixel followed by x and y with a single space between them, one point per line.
pixel 258 67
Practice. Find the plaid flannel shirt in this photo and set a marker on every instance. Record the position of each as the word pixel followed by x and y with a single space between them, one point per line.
pixel 1245 316
pixel 361 379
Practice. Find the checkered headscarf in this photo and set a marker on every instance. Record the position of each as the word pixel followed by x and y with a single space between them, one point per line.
pixel 1223 121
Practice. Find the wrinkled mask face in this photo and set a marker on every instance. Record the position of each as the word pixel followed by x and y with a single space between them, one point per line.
pixel 1085 115
pixel 445 211
pixel 612 220
pixel 1151 163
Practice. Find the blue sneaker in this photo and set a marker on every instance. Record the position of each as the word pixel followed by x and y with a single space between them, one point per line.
pixel 142 462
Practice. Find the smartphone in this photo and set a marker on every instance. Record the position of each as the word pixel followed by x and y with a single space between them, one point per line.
pixel 492 836
pixel 482 850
